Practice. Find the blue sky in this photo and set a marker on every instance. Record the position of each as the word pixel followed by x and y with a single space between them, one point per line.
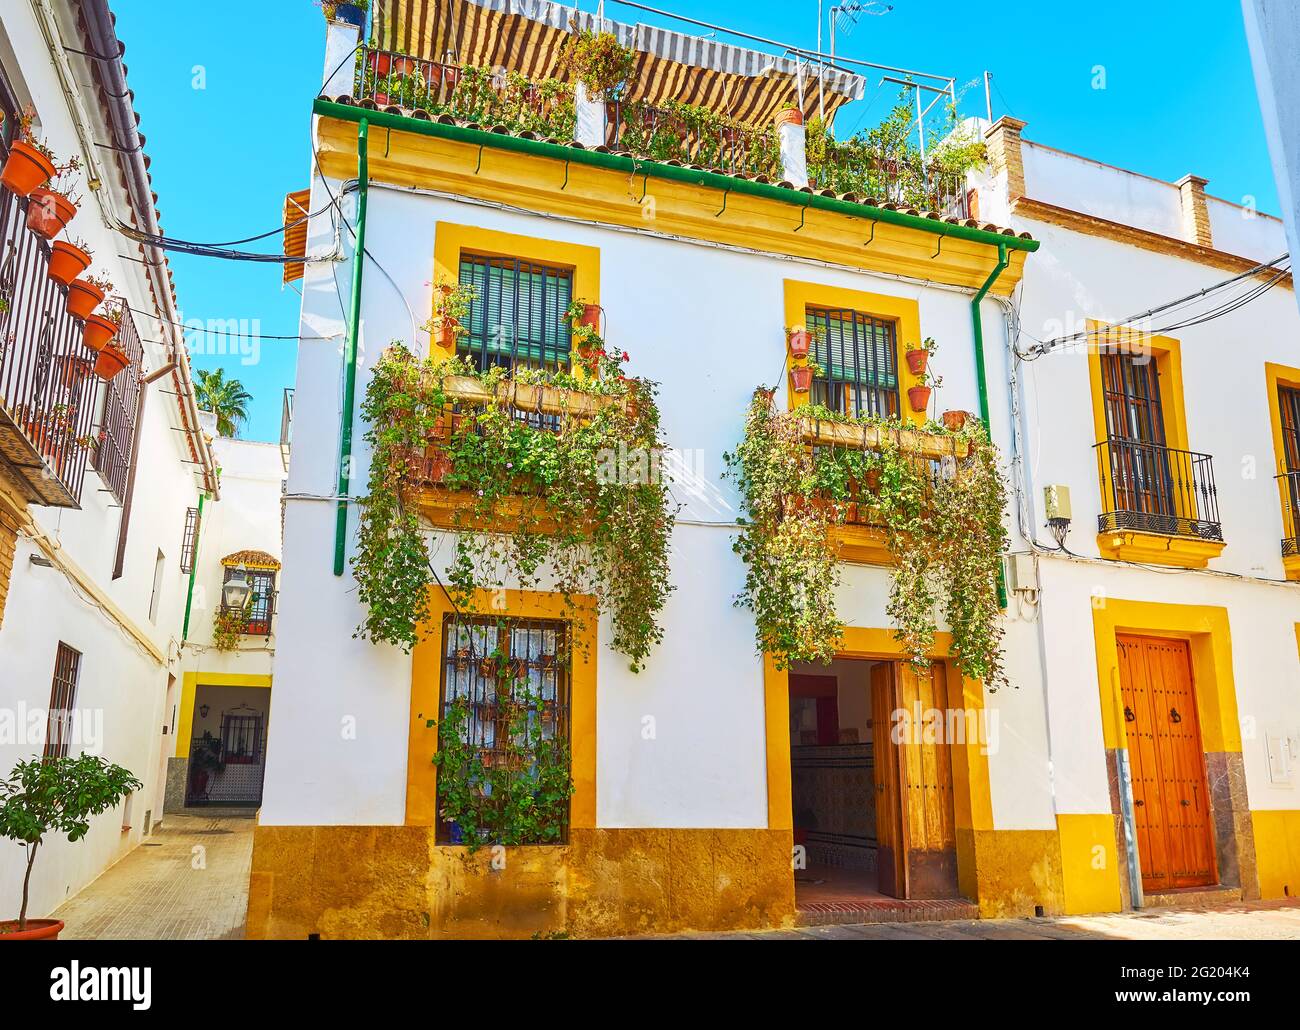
pixel 224 97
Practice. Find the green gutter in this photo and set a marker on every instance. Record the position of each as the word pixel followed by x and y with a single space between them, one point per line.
pixel 981 375
pixel 350 347
pixel 194 568
pixel 655 170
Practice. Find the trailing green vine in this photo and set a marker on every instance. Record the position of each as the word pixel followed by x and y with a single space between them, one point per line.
pixel 516 791
pixel 675 131
pixel 228 626
pixel 942 522
pixel 577 502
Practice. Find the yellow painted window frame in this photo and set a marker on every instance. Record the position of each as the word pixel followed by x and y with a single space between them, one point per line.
pixel 859 544
pixel 1277 376
pixel 426 674
pixel 902 311
pixel 451 240
pixel 1167 352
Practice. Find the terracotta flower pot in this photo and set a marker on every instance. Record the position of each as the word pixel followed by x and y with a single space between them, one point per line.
pixel 98 332
pixel 382 99
pixel 918 397
pixel 37 930
pixel 764 394
pixel 446 334
pixel 403 65
pixel 83 298
pixel 25 169
pixel 800 341
pixel 110 361
pixel 801 378
pixel 917 360
pixel 437 464
pixel 67 262
pixel 74 368
pixel 591 317
pixel 955 420
pixel 790 116
pixel 48 213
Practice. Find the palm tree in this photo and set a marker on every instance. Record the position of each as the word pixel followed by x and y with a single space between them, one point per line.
pixel 227 399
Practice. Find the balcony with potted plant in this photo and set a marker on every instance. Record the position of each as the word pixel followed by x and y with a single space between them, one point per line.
pixel 820 487
pixel 526 468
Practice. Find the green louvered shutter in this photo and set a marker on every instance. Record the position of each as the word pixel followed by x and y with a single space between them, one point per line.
pixel 517 317
pixel 860 358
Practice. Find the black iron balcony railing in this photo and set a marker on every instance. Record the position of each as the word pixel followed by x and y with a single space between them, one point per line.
pixel 1147 488
pixel 47 383
pixel 1290 484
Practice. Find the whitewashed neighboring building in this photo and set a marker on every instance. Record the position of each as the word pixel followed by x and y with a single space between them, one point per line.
pixel 1168 621
pixel 93 521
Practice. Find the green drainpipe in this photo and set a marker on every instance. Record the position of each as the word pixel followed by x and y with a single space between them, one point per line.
pixel 981 374
pixel 350 347
pixel 194 568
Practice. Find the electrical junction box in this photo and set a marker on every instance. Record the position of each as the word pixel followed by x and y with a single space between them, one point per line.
pixel 1283 753
pixel 1056 499
pixel 1022 572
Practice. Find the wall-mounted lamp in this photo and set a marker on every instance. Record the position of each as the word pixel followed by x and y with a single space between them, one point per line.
pixel 41 560
pixel 235 591
pixel 1056 501
pixel 203 711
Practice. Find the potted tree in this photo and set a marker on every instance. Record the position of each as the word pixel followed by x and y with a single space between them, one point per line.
pixel 58 795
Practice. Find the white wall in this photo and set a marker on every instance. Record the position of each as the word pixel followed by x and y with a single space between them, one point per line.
pixel 122 688
pixel 707 324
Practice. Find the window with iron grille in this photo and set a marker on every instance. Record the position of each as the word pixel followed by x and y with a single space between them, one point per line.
pixel 859 355
pixel 241 737
pixel 115 441
pixel 261 599
pixel 1289 407
pixel 190 540
pixel 63 699
pixel 517 317
pixel 534 655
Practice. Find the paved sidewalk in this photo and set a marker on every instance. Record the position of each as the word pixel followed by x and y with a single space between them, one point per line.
pixel 189 881
pixel 1268 920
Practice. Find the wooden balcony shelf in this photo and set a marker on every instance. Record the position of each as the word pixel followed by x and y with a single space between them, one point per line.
pixel 935 446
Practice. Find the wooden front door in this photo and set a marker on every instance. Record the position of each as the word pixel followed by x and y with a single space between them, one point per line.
pixel 1171 804
pixel 915 827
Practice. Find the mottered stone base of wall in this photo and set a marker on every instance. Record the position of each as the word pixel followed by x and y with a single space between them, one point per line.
pixel 178 770
pixel 1234 831
pixel 396 882
pixel 1015 873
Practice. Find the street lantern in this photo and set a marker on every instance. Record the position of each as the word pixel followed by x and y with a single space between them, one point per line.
pixel 236 589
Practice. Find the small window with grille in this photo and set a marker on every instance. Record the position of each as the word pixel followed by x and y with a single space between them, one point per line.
pixel 517 315
pixel 859 357
pixel 190 540
pixel 261 599
pixel 63 699
pixel 505 685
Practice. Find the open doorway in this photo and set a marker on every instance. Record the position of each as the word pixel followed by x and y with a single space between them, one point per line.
pixel 871 782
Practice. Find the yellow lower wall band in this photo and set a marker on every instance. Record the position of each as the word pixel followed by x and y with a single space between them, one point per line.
pixel 1277 852
pixel 1016 871
pixel 395 882
pixel 1089 863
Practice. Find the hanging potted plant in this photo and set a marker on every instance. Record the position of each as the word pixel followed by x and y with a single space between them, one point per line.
pixel 68 260
pixel 30 163
pixel 918 396
pixel 451 305
pixel 955 421
pixel 50 208
pixel 603 65
pixel 55 795
pixel 110 361
pixel 86 294
pixel 100 330
pixel 788 115
pixel 802 376
pixel 918 357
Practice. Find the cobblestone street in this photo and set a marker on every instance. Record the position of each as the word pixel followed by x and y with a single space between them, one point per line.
pixel 189 881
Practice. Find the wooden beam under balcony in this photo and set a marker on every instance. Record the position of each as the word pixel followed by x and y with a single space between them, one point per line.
pixel 875 437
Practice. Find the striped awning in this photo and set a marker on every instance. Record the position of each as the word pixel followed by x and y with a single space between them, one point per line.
pixel 295 232
pixel 527 36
